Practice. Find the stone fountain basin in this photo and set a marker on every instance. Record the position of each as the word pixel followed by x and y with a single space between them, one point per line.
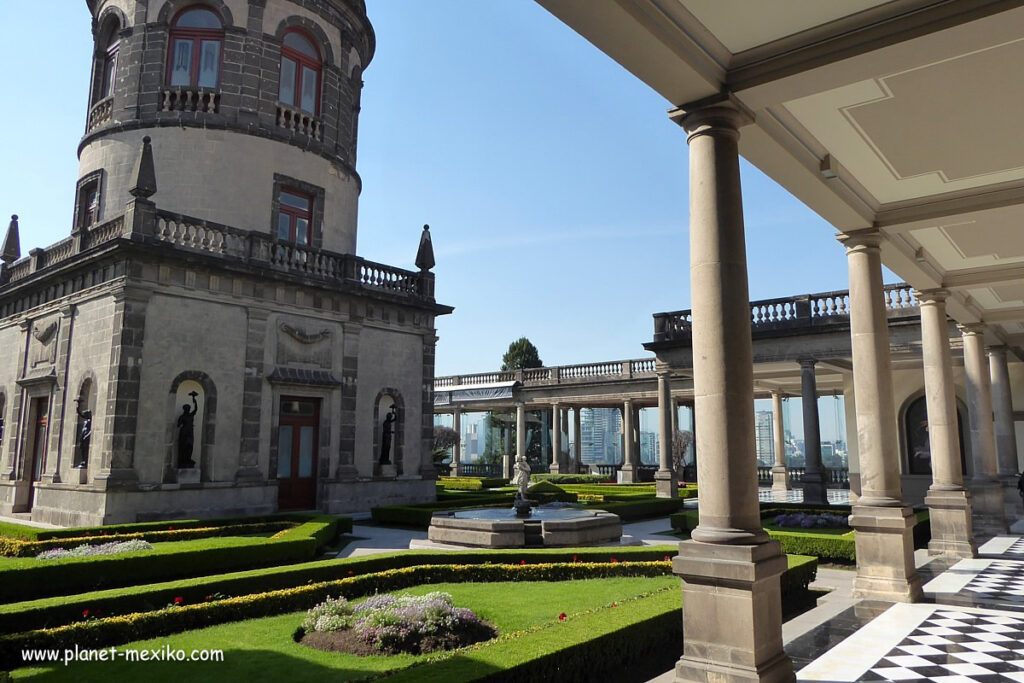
pixel 546 527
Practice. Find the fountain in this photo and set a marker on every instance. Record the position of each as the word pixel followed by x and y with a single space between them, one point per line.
pixel 548 526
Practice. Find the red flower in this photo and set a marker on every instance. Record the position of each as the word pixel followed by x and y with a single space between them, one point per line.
pixel 208 598
pixel 351 572
pixel 575 559
pixel 106 533
pixel 170 528
pixel 178 600
pixel 85 614
pixel 667 558
pixel 522 561
pixel 614 559
pixel 561 617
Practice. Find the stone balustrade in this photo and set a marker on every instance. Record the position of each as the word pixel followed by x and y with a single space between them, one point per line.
pixel 187 99
pixel 298 121
pixel 619 369
pixel 55 254
pixel 100 113
pixel 795 313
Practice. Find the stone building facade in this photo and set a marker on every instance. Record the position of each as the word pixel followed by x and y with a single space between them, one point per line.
pixel 208 306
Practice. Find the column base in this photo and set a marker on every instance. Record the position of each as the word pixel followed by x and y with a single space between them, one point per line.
pixel 949 514
pixel 665 484
pixel 555 469
pixel 739 584
pixel 456 470
pixel 988 507
pixel 627 475
pixel 780 479
pixel 506 466
pixel 815 488
pixel 885 554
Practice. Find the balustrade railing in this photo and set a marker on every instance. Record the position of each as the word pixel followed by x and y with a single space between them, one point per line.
pixel 187 99
pixel 100 113
pixel 590 370
pixel 480 469
pixel 104 232
pixel 764 475
pixel 298 121
pixel 622 369
pixel 792 313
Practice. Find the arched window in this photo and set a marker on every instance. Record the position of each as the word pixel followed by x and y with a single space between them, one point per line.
pixel 197 35
pixel 301 66
pixel 106 62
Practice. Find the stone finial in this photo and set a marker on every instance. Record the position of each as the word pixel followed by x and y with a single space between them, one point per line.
pixel 425 254
pixel 11 251
pixel 144 172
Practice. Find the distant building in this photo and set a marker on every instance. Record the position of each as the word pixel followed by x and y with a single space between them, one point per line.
pixel 764 440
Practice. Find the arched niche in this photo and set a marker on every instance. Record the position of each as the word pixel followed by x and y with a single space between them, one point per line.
pixel 85 424
pixel 389 398
pixel 203 423
pixel 914 438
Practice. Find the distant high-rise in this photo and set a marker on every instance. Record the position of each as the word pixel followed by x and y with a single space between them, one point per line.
pixel 764 439
pixel 601 430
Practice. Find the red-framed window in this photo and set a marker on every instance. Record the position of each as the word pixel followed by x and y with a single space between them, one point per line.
pixel 197 41
pixel 294 217
pixel 301 69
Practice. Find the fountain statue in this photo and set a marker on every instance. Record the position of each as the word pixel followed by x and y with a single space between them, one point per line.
pixel 521 479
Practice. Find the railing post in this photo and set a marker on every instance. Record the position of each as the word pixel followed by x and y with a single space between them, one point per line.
pixel 660 321
pixel 803 307
pixel 627 369
pixel 38 256
pixel 555 374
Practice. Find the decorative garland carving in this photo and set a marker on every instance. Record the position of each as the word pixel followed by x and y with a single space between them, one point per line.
pixel 304 337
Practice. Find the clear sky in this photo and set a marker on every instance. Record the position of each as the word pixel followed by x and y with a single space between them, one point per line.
pixel 554 184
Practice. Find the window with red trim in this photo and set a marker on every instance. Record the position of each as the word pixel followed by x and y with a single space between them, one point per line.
pixel 294 217
pixel 197 40
pixel 301 67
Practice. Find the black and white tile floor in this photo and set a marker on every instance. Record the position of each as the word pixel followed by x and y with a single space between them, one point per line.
pixel 974 631
pixel 835 496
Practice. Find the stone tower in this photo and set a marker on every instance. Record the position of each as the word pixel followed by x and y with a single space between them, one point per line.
pixel 206 341
pixel 243 100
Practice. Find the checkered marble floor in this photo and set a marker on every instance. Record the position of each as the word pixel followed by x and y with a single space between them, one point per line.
pixel 1009 547
pixel 981 581
pixel 922 642
pixel 835 496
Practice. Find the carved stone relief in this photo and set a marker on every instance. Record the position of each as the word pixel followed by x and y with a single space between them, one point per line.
pixel 299 346
pixel 43 346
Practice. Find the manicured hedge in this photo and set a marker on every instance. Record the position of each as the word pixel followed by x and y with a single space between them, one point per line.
pixel 11 547
pixel 572 478
pixel 46 612
pixel 53 577
pixel 470 483
pixel 630 511
pixel 418 514
pixel 119 629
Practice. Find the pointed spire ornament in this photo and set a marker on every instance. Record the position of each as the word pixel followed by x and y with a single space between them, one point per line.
pixel 425 254
pixel 11 251
pixel 144 172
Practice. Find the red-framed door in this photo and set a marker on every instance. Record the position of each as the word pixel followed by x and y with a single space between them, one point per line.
pixel 40 413
pixel 297 445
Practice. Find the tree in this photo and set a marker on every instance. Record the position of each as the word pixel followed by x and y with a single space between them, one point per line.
pixel 444 439
pixel 681 441
pixel 521 354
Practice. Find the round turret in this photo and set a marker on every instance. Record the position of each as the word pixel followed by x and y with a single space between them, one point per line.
pixel 252 108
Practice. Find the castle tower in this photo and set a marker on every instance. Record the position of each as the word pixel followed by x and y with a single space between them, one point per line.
pixel 206 342
pixel 252 108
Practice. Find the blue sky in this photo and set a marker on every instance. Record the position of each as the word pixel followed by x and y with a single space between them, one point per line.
pixel 553 181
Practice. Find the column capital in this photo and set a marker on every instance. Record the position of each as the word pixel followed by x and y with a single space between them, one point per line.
pixel 972 328
pixel 931 296
pixel 861 240
pixel 721 113
pixel 806 363
pixel 628 402
pixel 997 350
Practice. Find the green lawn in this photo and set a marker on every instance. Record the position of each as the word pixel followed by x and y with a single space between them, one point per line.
pixel 260 650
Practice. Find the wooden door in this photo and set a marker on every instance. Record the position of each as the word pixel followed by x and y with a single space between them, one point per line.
pixel 297 446
pixel 40 411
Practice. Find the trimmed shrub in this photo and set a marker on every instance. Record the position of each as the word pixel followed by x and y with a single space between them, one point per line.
pixel 470 483
pixel 572 478
pixel 90 573
pixel 630 511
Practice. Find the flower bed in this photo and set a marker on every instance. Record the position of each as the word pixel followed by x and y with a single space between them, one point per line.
pixel 804 520
pixel 86 550
pixel 393 625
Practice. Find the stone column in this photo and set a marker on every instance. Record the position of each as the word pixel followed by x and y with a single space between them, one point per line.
pixel 577 444
pixel 815 480
pixel 520 432
pixel 948 502
pixel 563 455
pixel 885 540
pixel 457 447
pixel 629 454
pixel 729 568
pixel 1006 435
pixel 675 417
pixel 780 476
pixel 986 491
pixel 557 466
pixel 666 483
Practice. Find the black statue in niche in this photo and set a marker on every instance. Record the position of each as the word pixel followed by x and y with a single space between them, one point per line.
pixel 84 434
pixel 386 430
pixel 186 433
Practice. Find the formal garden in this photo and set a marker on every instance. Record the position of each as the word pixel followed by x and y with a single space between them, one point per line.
pixel 272 597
